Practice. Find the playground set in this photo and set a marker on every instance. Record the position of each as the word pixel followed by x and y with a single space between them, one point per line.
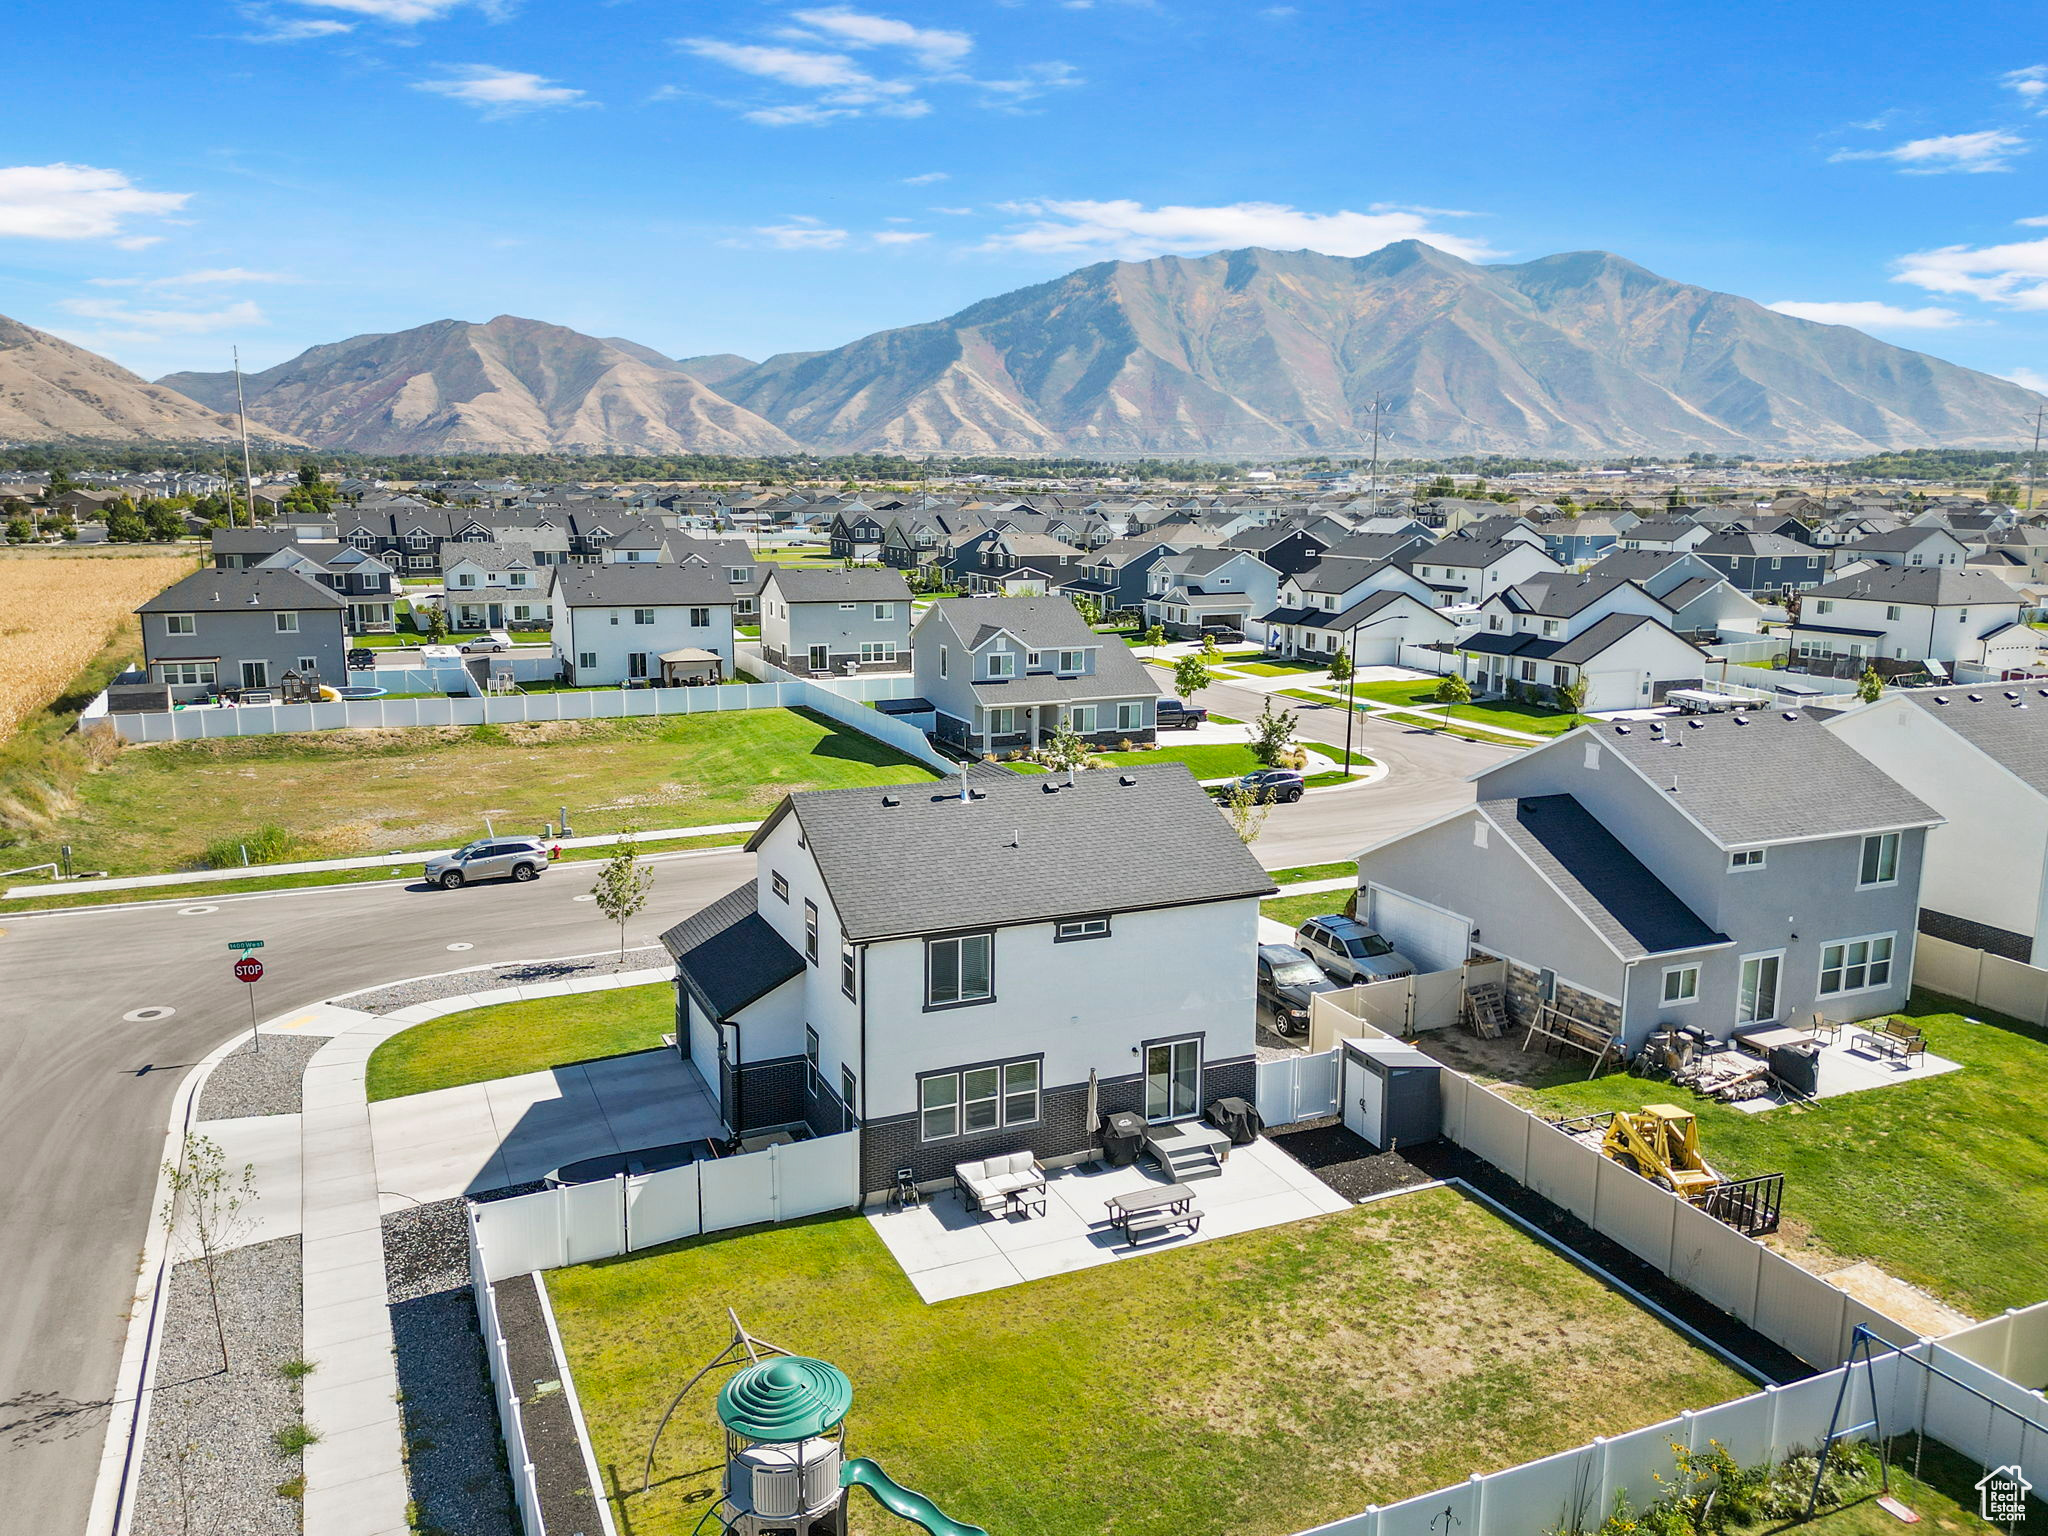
pixel 786 1468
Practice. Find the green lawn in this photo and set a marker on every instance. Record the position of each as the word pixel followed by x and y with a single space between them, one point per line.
pixel 1529 719
pixel 1293 911
pixel 1250 1386
pixel 1216 760
pixel 1943 1182
pixel 339 793
pixel 479 1044
pixel 1301 874
pixel 1277 668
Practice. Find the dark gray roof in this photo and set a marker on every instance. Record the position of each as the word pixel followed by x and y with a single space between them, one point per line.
pixel 1763 778
pixel 1560 594
pixel 860 585
pixel 487 556
pixel 1748 546
pixel 1638 564
pixel 1025 849
pixel 728 955
pixel 1582 647
pixel 1375 546
pixel 1263 538
pixel 252 541
pixel 640 586
pixel 1470 554
pixel 1938 585
pixel 1605 884
pixel 1990 720
pixel 1898 540
pixel 1335 573
pixel 258 588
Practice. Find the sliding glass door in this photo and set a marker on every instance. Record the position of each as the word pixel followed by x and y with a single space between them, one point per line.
pixel 1173 1079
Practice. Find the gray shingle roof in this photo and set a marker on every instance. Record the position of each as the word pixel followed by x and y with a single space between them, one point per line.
pixel 1990 721
pixel 728 955
pixel 1761 778
pixel 488 556
pixel 258 588
pixel 1605 884
pixel 1560 594
pixel 1581 648
pixel 1938 585
pixel 829 586
pixel 640 586
pixel 1745 545
pixel 1027 850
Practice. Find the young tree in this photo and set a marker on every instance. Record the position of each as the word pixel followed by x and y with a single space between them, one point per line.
pixel 1155 635
pixel 1574 693
pixel 165 521
pixel 1064 748
pixel 1453 689
pixel 432 620
pixel 622 887
pixel 1870 687
pixel 1211 651
pixel 206 1212
pixel 1273 734
pixel 1190 676
pixel 1088 608
pixel 125 524
pixel 20 530
pixel 1247 812
pixel 1340 667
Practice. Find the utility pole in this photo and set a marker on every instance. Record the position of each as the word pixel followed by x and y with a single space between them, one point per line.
pixel 2034 457
pixel 248 474
pixel 1379 405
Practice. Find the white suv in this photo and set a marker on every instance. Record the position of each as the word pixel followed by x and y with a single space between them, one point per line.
pixel 492 858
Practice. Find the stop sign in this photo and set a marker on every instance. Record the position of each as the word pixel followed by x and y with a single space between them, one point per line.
pixel 248 968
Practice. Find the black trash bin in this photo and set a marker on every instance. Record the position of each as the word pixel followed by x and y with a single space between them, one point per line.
pixel 1123 1137
pixel 1237 1119
pixel 1797 1066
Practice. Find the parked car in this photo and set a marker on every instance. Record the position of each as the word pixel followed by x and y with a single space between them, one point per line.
pixel 1350 951
pixel 491 858
pixel 1270 784
pixel 496 640
pixel 1287 980
pixel 361 658
pixel 1172 714
pixel 1223 636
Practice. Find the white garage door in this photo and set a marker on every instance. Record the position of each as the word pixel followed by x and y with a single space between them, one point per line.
pixel 1434 939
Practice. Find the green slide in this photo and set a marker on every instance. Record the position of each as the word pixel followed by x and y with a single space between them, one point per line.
pixel 900 1501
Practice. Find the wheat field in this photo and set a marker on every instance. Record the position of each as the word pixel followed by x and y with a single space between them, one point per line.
pixel 58 610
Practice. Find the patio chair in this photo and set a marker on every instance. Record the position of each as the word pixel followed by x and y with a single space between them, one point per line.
pixel 1006 1182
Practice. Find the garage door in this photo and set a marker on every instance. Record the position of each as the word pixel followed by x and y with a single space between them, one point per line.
pixel 1434 939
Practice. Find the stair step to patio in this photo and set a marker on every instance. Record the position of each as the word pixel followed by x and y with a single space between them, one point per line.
pixel 1193 1163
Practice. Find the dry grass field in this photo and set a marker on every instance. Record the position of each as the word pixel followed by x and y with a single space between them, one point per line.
pixel 58 611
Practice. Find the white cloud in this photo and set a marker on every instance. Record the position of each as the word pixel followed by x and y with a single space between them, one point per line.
pixel 1991 149
pixel 1278 12
pixel 790 66
pixel 926 179
pixel 1132 232
pixel 501 92
pixel 900 236
pixel 933 47
pixel 2030 85
pixel 404 13
pixel 2013 275
pixel 1870 315
pixel 1029 83
pixel 118 321
pixel 803 233
pixel 2027 378
pixel 77 202
pixel 204 277
pixel 297 30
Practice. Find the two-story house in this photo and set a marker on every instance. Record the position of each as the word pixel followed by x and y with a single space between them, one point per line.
pixel 1466 572
pixel 1701 600
pixel 985 1005
pixel 856 532
pixel 1939 613
pixel 1003 673
pixel 243 629
pixel 1764 562
pixel 367 582
pixel 1557 630
pixel 496 586
pixel 1680 533
pixel 1115 577
pixel 615 624
pixel 1721 872
pixel 823 621
pixel 1916 545
pixel 1573 541
pixel 1286 547
pixel 1203 589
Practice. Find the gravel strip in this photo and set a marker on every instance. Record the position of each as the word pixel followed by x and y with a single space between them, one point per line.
pixel 263 1081
pixel 210 1463
pixel 431 989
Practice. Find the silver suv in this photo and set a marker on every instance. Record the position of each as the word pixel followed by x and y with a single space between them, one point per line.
pixel 492 858
pixel 1350 951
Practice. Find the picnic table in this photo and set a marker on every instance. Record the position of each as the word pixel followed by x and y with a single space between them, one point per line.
pixel 1154 1210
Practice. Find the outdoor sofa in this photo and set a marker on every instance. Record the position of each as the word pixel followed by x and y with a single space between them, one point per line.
pixel 1003 1183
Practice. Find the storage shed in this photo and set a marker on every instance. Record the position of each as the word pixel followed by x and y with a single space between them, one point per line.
pixel 1391 1092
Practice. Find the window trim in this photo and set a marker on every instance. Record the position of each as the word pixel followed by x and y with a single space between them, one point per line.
pixel 1692 995
pixel 810 931
pixel 931 945
pixel 957 1104
pixel 1742 860
pixel 846 967
pixel 1868 964
pixel 1085 928
pixel 811 1055
pixel 779 884
pixel 189 620
pixel 1863 857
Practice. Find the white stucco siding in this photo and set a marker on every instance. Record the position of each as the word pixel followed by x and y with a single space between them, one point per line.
pixel 590 632
pixel 1088 1003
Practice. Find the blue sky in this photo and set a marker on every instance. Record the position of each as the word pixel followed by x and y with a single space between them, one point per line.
pixel 737 175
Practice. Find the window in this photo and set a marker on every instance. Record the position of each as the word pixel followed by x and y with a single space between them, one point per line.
pixel 1070 661
pixel 1081 719
pixel 643 615
pixel 942 661
pixel 700 618
pixel 973 1100
pixel 1549 628
pixel 1856 965
pixel 811 931
pixel 287 623
pixel 1020 1092
pixel 778 884
pixel 1823 605
pixel 981 1106
pixel 1880 860
pixel 872 651
pixel 1746 858
pixel 586 661
pixel 959 969
pixel 1892 612
pixel 255 674
pixel 1130 717
pixel 846 607
pixel 1757 992
pixel 466 579
pixel 846 967
pixel 1081 928
pixel 185 674
pixel 309 666
pixel 636 664
pixel 884 612
pixel 1681 984
pixel 1002 664
pixel 810 1062
pixel 846 1085
pixel 738 575
pixel 181 624
pixel 1560 676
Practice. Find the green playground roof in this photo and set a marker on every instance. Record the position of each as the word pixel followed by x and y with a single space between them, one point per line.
pixel 788 1398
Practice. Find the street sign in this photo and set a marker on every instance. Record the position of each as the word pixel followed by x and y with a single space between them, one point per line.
pixel 245 944
pixel 248 969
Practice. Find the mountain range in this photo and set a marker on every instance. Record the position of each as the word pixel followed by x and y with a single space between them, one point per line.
pixel 1249 352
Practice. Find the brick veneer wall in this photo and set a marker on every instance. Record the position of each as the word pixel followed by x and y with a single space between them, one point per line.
pixel 2002 942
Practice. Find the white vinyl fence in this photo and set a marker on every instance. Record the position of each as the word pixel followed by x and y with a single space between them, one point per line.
pixel 1297 1088
pixel 511 1423
pixel 2014 1345
pixel 1770 678
pixel 580 1222
pixel 1990 981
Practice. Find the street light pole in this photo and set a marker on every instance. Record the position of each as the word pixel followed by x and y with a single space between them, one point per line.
pixel 1351 687
pixel 2034 459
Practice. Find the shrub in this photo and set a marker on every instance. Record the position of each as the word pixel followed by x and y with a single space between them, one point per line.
pixel 294 1438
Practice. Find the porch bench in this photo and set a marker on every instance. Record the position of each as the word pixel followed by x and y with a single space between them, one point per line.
pixel 1902 1043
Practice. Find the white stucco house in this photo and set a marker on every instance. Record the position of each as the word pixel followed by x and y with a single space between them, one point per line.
pixel 1938 613
pixel 641 623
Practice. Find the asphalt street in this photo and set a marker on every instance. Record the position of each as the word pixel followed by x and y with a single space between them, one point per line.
pixel 85 1093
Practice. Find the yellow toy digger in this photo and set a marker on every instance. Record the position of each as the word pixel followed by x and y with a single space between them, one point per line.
pixel 1662 1143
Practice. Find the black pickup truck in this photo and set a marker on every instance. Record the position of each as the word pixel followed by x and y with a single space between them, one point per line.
pixel 1172 714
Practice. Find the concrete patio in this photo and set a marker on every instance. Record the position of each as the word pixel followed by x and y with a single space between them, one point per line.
pixel 513 1130
pixel 948 1250
pixel 1845 1069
